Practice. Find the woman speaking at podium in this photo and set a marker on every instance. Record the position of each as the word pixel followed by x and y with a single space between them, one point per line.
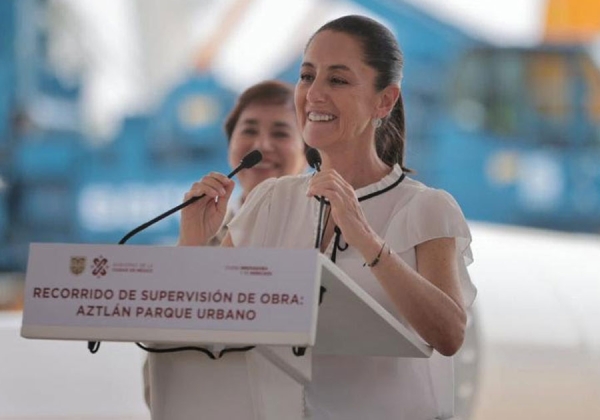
pixel 404 243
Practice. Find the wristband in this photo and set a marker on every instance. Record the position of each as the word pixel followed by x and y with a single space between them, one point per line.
pixel 376 259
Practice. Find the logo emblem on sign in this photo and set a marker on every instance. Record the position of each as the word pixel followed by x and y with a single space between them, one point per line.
pixel 99 266
pixel 77 265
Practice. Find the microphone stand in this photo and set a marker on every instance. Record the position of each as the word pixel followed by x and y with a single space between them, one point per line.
pixel 248 161
pixel 314 160
pixel 320 234
pixel 171 211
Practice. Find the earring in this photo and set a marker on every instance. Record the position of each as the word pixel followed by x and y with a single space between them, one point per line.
pixel 376 122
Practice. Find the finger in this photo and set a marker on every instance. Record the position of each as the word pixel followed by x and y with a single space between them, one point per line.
pixel 329 176
pixel 332 196
pixel 200 192
pixel 323 188
pixel 220 177
pixel 229 186
pixel 218 181
pixel 222 201
pixel 211 186
pixel 319 181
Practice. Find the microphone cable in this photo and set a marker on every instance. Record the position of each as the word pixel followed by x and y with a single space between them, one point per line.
pixel 313 157
pixel 247 162
pixel 314 160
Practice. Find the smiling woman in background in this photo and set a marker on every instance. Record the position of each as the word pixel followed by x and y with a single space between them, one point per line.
pixel 263 119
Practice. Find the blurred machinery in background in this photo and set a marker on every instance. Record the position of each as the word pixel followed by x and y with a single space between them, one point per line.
pixel 572 21
pixel 512 133
pixel 518 138
pixel 7 79
pixel 56 185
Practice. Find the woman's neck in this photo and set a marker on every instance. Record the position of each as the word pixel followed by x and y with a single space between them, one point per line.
pixel 358 169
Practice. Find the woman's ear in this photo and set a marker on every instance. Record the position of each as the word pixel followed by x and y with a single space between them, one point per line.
pixel 387 99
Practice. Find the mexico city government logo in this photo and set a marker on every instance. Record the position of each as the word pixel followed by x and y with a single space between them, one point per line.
pixel 99 266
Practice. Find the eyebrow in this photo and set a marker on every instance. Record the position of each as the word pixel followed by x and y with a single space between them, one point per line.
pixel 254 121
pixel 331 67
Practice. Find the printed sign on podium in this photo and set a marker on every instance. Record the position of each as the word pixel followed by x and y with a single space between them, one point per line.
pixel 171 294
pixel 206 295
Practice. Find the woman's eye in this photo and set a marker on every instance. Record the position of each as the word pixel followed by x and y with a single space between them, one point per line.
pixel 280 135
pixel 338 81
pixel 249 132
pixel 305 77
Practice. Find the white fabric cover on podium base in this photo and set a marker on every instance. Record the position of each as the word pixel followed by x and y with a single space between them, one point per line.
pixel 242 386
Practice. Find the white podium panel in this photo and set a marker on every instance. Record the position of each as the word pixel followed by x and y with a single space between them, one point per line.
pixel 171 294
pixel 206 295
pixel 351 322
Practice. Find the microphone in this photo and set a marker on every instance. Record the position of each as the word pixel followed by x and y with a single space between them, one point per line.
pixel 247 162
pixel 314 160
pixel 313 157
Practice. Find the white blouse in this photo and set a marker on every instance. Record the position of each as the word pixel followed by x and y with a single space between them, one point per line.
pixel 277 213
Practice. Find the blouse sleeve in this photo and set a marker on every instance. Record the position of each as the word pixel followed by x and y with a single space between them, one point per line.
pixel 434 214
pixel 249 226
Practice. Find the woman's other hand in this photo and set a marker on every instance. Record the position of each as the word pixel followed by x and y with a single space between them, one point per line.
pixel 201 220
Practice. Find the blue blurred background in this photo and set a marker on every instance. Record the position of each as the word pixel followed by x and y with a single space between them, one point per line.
pixel 511 129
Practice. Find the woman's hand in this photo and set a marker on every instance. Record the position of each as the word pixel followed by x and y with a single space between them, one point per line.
pixel 345 208
pixel 201 220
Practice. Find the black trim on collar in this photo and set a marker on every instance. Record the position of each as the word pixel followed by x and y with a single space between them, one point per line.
pixel 386 189
pixel 375 193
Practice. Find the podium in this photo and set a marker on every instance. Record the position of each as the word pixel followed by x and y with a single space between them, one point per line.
pixel 214 298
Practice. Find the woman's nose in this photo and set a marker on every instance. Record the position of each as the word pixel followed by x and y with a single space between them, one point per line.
pixel 315 92
pixel 264 142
